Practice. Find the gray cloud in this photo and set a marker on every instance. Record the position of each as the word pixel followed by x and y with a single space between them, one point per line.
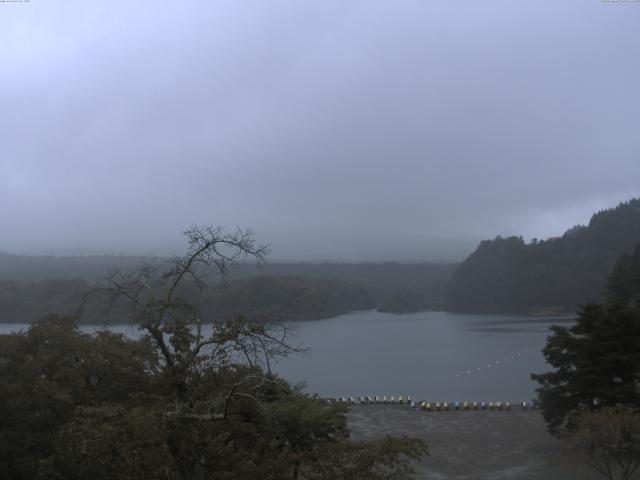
pixel 355 130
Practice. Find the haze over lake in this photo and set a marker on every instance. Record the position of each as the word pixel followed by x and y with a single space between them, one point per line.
pixel 432 355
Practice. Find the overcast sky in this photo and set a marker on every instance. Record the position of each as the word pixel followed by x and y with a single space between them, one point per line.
pixel 336 129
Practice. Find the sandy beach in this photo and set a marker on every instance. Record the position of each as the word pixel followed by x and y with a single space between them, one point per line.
pixel 475 445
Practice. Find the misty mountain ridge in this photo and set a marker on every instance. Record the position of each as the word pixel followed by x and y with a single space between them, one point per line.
pixel 297 247
pixel 30 289
pixel 505 274
pixel 546 276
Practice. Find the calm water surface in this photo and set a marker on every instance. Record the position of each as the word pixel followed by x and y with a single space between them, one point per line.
pixel 428 355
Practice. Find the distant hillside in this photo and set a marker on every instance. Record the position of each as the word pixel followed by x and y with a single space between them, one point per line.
pixel 405 285
pixel 559 274
pixel 393 287
pixel 34 268
pixel 31 287
pixel 288 297
pixel 284 297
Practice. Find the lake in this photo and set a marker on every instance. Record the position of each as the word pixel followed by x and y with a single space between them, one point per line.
pixel 438 356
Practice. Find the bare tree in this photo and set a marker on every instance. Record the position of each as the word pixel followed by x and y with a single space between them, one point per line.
pixel 160 295
pixel 609 439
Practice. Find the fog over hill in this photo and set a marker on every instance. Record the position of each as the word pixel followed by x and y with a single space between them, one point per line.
pixel 553 275
pixel 338 131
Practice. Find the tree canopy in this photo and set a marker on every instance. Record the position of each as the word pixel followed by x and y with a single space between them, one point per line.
pixel 597 360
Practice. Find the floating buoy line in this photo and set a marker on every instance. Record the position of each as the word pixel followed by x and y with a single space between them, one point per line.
pixel 431 406
pixel 444 406
pixel 492 364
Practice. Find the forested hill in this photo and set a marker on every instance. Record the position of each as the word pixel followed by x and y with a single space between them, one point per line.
pixel 32 287
pixel 554 275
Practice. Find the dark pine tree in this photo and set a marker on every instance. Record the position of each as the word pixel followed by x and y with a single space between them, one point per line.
pixel 597 360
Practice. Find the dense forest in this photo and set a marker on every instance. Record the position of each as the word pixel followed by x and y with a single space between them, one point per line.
pixel 554 275
pixel 288 297
pixel 31 287
pixel 284 297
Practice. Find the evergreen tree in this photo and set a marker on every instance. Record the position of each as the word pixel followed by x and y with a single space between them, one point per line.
pixel 597 360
